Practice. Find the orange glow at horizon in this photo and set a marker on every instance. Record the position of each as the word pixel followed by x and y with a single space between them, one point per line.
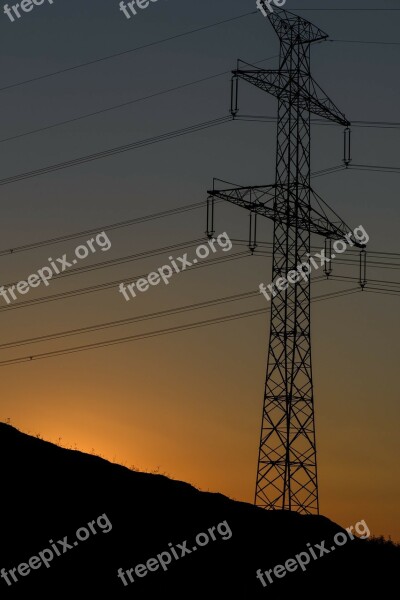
pixel 199 420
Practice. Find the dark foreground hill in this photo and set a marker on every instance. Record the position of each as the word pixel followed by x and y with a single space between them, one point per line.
pixel 70 521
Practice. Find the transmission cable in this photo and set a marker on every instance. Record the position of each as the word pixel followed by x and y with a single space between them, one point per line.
pixel 124 52
pixel 116 150
pixel 112 284
pixel 160 332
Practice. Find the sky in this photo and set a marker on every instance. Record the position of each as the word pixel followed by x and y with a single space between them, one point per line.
pixel 188 403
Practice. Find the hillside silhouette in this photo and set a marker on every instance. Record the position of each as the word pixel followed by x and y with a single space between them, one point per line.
pixel 49 492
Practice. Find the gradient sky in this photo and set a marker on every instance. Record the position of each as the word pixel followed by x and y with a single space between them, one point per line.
pixel 189 404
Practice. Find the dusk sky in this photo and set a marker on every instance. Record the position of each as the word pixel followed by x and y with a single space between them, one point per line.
pixel 189 403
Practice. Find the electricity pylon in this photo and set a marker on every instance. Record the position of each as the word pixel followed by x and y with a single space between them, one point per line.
pixel 287 465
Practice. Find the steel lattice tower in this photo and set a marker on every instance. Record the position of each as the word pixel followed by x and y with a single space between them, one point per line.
pixel 287 466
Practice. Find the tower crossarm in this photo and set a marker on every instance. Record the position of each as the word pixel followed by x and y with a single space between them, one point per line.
pixel 317 218
pixel 324 221
pixel 283 85
pixel 257 199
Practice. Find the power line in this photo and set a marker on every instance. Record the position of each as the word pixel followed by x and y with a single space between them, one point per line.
pixel 158 314
pixel 376 124
pixel 111 284
pixel 164 249
pixel 186 245
pixel 123 259
pixel 116 150
pixel 182 245
pixel 256 119
pixel 160 332
pixel 371 124
pixel 129 320
pixel 361 124
pixel 381 282
pixel 357 167
pixel 127 147
pixel 174 37
pixel 328 171
pixel 383 292
pixel 109 227
pixel 160 215
pixel 349 262
pixel 365 42
pixel 128 103
pixel 115 283
pixel 104 110
pixel 380 168
pixel 124 52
